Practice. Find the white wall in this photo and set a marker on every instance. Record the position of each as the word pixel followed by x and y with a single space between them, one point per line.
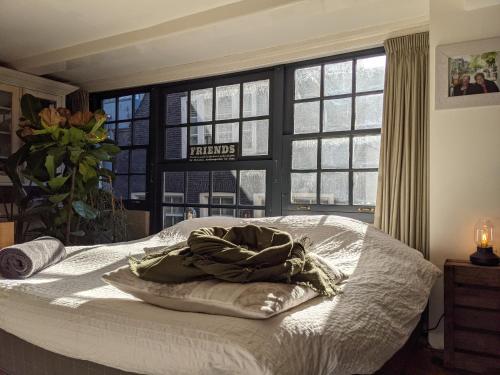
pixel 464 152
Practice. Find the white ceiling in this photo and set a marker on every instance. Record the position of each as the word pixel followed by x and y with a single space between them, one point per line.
pixel 108 43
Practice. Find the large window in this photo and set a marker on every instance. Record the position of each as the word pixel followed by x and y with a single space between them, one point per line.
pixel 307 136
pixel 214 112
pixel 219 114
pixel 128 126
pixel 334 125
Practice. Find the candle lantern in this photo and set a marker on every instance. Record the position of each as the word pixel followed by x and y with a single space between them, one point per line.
pixel 483 237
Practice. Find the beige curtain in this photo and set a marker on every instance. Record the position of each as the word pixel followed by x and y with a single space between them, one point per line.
pixel 402 208
pixel 78 100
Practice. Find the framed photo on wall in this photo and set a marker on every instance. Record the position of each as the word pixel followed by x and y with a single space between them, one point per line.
pixel 468 74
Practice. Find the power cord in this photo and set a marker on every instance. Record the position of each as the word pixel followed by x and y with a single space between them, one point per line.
pixel 437 325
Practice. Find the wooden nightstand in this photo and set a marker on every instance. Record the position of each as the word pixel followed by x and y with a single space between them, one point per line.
pixel 472 317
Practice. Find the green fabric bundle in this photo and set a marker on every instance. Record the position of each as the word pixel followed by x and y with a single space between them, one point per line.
pixel 239 254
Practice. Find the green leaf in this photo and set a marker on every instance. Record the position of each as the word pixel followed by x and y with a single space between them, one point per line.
pixel 76 136
pixel 100 154
pixel 84 210
pixel 111 149
pixel 49 165
pixel 106 173
pixel 40 184
pixel 91 161
pixel 57 182
pixel 75 155
pixel 86 171
pixel 31 107
pixel 41 146
pixel 58 198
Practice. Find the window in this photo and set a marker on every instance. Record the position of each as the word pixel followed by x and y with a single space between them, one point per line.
pixel 128 126
pixel 234 113
pixel 334 142
pixel 232 193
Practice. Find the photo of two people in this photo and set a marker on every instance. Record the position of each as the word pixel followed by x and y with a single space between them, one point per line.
pixel 474 74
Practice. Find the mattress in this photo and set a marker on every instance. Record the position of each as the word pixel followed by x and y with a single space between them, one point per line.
pixel 68 310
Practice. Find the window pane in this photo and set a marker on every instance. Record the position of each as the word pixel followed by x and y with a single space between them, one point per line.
pixel 306 118
pixel 176 143
pixel 307 82
pixel 141 132
pixel 198 183
pixel 201 105
pixel 121 162
pixel 177 108
pixel 303 188
pixel 370 74
pixel 173 187
pixel 110 128
pixel 338 78
pixel 138 161
pixel 228 102
pixel 224 187
pixel 200 135
pixel 253 187
pixel 200 211
pixel 366 151
pixel 138 187
pixel 337 114
pixel 365 188
pixel 125 107
pixel 120 187
pixel 335 153
pixel 124 136
pixel 255 136
pixel 141 105
pixel 247 214
pixel 256 98
pixel 109 106
pixel 172 216
pixel 230 212
pixel 369 111
pixel 305 154
pixel 227 133
pixel 335 188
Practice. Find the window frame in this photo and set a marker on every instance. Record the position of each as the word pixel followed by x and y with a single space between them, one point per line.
pixel 96 103
pixel 362 212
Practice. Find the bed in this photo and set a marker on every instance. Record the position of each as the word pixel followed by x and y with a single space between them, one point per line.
pixel 68 312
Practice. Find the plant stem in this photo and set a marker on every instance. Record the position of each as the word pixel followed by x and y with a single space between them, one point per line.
pixel 70 206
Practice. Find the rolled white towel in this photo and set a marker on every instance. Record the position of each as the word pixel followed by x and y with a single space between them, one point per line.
pixel 23 260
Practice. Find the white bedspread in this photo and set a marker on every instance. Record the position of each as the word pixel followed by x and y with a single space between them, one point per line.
pixel 69 310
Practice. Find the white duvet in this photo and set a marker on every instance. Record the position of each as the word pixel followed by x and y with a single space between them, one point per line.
pixel 68 309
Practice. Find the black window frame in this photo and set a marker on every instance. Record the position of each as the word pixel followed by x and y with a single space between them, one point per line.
pixel 361 212
pixel 96 103
pixel 278 161
pixel 254 162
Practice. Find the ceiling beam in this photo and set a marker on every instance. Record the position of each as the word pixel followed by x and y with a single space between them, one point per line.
pixel 45 61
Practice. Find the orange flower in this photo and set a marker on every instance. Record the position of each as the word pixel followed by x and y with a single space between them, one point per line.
pixel 26 132
pixel 50 117
pixel 99 116
pixel 65 113
pixel 80 118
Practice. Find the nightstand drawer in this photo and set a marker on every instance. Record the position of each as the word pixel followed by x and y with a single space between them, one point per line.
pixel 475 297
pixel 479 319
pixel 477 342
pixel 477 363
pixel 488 277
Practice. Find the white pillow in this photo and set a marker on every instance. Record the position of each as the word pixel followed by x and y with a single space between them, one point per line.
pixel 260 300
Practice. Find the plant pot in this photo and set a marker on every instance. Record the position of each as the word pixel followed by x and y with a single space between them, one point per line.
pixel 6 234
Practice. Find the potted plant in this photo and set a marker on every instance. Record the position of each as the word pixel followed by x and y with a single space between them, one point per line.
pixel 62 157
